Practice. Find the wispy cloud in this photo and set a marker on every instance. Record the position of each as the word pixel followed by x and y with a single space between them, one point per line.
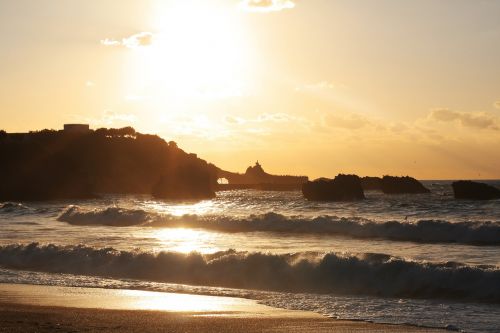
pixel 346 120
pixel 111 117
pixel 232 120
pixel 131 42
pixel 481 120
pixel 263 118
pixel 267 5
pixel 110 42
pixel 497 104
pixel 277 117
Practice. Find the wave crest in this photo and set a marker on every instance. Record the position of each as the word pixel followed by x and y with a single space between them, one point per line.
pixel 111 216
pixel 425 231
pixel 368 274
pixel 12 207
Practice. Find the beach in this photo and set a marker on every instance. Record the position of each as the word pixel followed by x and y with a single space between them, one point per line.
pixel 28 308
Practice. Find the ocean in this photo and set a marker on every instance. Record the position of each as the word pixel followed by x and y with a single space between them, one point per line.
pixel 426 260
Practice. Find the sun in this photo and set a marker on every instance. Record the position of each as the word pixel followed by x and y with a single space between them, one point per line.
pixel 200 49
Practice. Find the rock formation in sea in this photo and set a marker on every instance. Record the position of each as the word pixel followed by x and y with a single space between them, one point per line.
pixel 402 185
pixel 371 183
pixel 341 188
pixel 256 178
pixel 465 189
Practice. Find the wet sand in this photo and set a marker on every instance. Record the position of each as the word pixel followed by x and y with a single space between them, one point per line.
pixel 26 308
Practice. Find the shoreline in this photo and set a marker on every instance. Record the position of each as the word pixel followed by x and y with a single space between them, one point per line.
pixel 32 308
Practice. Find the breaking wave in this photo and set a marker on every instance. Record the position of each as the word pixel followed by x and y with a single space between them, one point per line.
pixel 12 207
pixel 367 274
pixel 111 216
pixel 425 231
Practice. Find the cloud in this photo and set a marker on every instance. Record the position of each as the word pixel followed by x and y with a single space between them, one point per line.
pixel 263 118
pixel 234 120
pixel 110 42
pixel 140 39
pixel 107 118
pixel 267 5
pixel 497 104
pixel 110 117
pixel 132 42
pixel 276 117
pixel 348 120
pixel 481 120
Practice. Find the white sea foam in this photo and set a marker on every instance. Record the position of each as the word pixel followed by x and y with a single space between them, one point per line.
pixel 365 274
pixel 425 231
pixel 111 216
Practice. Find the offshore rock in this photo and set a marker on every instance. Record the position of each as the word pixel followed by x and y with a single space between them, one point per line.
pixel 342 188
pixel 402 185
pixel 465 189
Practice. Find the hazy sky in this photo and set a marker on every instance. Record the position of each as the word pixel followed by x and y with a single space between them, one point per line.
pixel 313 87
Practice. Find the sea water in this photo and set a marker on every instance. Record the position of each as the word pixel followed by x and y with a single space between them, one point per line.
pixel 426 259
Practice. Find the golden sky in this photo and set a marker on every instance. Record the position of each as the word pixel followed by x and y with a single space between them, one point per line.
pixel 312 87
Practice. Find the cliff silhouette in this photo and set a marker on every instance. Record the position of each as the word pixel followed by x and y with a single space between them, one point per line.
pixel 81 163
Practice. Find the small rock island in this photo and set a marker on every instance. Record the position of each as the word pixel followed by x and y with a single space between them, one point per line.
pixel 341 188
pixel 394 185
pixel 402 185
pixel 466 189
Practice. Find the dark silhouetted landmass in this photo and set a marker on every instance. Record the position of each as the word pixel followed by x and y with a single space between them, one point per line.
pixel 465 189
pixel 393 185
pixel 371 183
pixel 189 182
pixel 79 163
pixel 402 185
pixel 342 188
pixel 256 178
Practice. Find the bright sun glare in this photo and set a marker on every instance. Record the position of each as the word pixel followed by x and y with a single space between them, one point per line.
pixel 198 50
pixel 187 240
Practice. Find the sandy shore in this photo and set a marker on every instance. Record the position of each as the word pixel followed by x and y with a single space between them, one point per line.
pixel 25 308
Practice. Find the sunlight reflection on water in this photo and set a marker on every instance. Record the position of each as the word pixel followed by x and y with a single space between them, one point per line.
pixel 187 240
pixel 188 208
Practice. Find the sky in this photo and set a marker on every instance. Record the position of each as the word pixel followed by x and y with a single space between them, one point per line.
pixel 307 87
